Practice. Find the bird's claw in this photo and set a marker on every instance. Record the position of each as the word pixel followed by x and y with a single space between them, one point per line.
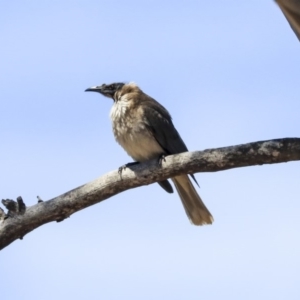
pixel 161 159
pixel 121 169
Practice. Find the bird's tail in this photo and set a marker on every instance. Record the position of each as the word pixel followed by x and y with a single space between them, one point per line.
pixel 192 203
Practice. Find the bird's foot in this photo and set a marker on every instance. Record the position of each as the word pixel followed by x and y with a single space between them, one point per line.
pixel 122 168
pixel 161 159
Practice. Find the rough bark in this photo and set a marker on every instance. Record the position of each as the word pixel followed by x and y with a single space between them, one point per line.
pixel 21 219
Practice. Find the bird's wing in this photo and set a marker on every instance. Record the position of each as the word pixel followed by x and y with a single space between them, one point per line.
pixel 291 10
pixel 159 123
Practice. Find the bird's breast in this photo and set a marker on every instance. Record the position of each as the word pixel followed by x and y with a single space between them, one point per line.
pixel 132 134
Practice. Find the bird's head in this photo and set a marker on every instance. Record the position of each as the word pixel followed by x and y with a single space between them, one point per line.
pixel 107 90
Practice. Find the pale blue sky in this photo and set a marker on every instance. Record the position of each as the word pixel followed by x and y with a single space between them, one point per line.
pixel 228 72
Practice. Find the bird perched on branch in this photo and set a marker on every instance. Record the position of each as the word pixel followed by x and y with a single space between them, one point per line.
pixel 144 128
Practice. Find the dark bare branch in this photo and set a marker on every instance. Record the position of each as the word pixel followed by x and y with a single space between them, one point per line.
pixel 291 10
pixel 15 225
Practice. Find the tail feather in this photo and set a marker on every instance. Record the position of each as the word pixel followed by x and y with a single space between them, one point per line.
pixel 192 203
pixel 166 185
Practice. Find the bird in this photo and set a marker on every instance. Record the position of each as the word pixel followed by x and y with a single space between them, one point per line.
pixel 144 128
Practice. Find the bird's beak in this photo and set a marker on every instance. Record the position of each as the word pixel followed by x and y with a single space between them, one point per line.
pixel 94 89
pixel 105 90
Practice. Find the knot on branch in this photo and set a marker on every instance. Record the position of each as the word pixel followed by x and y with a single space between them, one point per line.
pixel 14 207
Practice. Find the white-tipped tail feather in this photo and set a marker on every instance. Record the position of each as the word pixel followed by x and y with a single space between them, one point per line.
pixel 192 203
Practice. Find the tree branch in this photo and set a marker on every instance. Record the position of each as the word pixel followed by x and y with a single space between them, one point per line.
pixel 21 219
pixel 291 10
